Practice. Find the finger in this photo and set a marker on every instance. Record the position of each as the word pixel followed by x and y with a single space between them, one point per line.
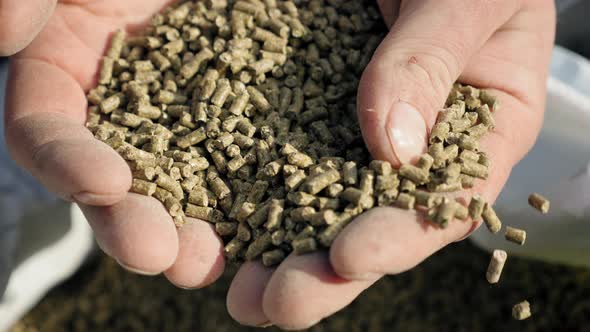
pixel 414 68
pixel 45 134
pixel 244 298
pixel 392 241
pixel 137 232
pixel 200 256
pixel 21 21
pixel 304 289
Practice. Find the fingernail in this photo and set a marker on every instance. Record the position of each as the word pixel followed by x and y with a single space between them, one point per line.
pixel 366 276
pixel 264 325
pixel 407 132
pixel 184 287
pixel 87 198
pixel 137 271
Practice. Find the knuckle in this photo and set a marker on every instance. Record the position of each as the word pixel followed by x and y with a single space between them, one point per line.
pixel 437 67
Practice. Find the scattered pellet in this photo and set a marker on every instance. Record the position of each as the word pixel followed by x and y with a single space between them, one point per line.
pixel 521 311
pixel 491 220
pixel 496 265
pixel 515 235
pixel 539 202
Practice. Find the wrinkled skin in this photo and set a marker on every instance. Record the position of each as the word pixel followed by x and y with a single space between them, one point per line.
pixel 500 44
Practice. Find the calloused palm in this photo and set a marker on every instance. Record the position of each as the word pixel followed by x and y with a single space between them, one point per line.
pixel 431 45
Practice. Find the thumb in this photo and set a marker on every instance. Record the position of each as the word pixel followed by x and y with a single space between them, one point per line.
pixel 414 68
pixel 21 21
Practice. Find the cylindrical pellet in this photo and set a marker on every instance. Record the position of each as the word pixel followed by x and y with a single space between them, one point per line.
pixel 386 182
pixel 245 211
pixel 476 207
pixel 474 169
pixel 496 265
pixel 302 214
pixel 380 167
pixel 117 43
pixel 539 202
pixel 300 160
pixel 367 180
pixel 258 246
pixel 226 228
pixel 173 206
pixel 232 249
pixel 143 187
pixel 439 132
pixel 258 99
pixel 189 69
pixel 239 104
pixel 425 162
pixel 521 311
pixel 515 235
pixel 111 103
pixel 491 220
pixel 198 196
pixel 259 216
pixel 275 215
pixel 273 257
pixel 218 186
pixel 405 201
pixel 204 213
pixel 413 173
pixel 485 116
pixel 349 173
pixel 106 71
pixel 304 245
pixel 295 180
pixel 327 236
pixel 315 184
pixel 193 138
pixel 446 212
pixel 425 199
pixel 357 197
pixel 222 92
pixel 301 198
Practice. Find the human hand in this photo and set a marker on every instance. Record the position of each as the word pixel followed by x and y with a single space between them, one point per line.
pixel 45 116
pixel 46 112
pixel 501 45
pixel 20 24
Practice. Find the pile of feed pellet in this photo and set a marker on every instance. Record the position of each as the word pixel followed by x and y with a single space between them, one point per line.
pixel 444 293
pixel 236 113
pixel 243 113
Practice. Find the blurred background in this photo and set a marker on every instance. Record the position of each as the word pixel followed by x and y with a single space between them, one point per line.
pixel 61 283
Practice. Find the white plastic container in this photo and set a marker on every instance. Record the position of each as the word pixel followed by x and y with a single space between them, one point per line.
pixel 557 167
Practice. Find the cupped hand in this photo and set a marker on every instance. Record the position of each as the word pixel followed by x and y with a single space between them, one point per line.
pixel 500 44
pixel 45 116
